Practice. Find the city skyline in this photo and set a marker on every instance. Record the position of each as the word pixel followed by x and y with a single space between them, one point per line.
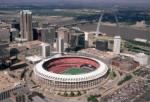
pixel 74 51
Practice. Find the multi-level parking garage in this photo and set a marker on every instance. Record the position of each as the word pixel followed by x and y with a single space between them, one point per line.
pixel 70 73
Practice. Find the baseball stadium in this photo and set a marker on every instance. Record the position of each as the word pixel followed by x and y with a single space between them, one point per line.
pixel 70 73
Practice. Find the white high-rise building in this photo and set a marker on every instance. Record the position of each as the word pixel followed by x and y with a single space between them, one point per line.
pixel 60 45
pixel 45 50
pixel 26 25
pixel 117 45
pixel 86 39
pixel 64 34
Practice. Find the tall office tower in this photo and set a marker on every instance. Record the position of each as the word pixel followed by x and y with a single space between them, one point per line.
pixel 46 35
pixel 45 50
pixel 88 39
pixel 26 25
pixel 117 45
pixel 60 45
pixel 49 36
pixel 77 40
pixel 4 55
pixel 64 34
pixel 13 34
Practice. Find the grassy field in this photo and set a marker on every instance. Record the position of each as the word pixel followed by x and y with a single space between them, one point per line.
pixel 74 71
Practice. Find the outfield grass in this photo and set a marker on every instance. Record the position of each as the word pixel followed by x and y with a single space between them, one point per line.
pixel 74 71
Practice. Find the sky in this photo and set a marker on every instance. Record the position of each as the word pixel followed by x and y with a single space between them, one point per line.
pixel 50 1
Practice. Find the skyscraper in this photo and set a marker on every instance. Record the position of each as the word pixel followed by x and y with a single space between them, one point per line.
pixel 26 25
pixel 117 45
pixel 60 45
pixel 45 50
pixel 65 35
pixel 44 34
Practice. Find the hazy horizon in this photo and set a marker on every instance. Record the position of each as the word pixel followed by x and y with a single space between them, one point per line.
pixel 69 1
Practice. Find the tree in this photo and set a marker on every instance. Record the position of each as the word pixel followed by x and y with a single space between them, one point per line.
pixel 79 93
pixel 92 99
pixel 72 94
pixel 65 94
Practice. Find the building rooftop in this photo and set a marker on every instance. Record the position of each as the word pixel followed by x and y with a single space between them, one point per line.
pixel 44 44
pixel 62 29
pixel 95 52
pixel 124 59
pixel 117 37
pixel 29 44
pixel 104 38
pixel 34 58
pixel 27 11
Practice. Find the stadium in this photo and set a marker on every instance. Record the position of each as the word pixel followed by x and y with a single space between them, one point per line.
pixel 67 73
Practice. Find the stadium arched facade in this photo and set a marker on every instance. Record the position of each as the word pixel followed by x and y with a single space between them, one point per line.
pixel 50 72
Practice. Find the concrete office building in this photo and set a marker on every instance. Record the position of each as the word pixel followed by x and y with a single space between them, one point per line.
pixel 88 39
pixel 4 48
pixel 77 40
pixel 60 45
pixel 35 24
pixel 14 33
pixel 15 25
pixel 4 55
pixel 20 93
pixel 46 35
pixel 4 34
pixel 65 35
pixel 6 94
pixel 26 25
pixel 117 45
pixel 45 50
pixel 102 45
pixel 18 97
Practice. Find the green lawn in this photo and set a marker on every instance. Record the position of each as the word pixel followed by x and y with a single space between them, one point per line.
pixel 74 71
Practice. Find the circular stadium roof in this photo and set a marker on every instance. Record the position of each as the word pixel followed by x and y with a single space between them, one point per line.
pixel 97 73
